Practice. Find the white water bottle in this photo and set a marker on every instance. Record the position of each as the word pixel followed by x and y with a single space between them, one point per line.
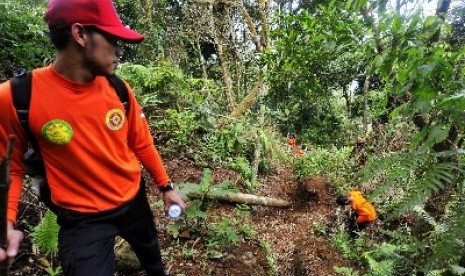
pixel 174 211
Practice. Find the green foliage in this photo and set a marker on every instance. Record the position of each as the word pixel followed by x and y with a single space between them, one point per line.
pixel 179 125
pixel 457 36
pixel 223 232
pixel 234 139
pixel 415 177
pixel 323 124
pixel 196 213
pixel 45 238
pixel 315 54
pixel 165 85
pixel 343 243
pixel 150 18
pixel 270 258
pixel 183 113
pixel 377 100
pixel 182 110
pixel 196 219
pixel 383 260
pixel 346 271
pixel 23 39
pixel 189 253
pixel 448 247
pixel 234 144
pixel 242 166
pixel 45 235
pixel 179 108
pixel 391 257
pixel 54 271
pixel 428 74
pixel 328 162
pixel 274 153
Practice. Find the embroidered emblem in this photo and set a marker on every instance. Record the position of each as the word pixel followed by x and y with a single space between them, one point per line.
pixel 115 119
pixel 57 132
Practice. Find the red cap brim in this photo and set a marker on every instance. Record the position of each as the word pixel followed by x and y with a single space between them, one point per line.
pixel 123 33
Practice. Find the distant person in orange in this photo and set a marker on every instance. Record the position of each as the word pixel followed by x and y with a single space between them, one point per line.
pixel 291 140
pixel 364 212
pixel 299 151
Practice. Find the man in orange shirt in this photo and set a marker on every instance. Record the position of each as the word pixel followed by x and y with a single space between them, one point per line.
pixel 364 212
pixel 92 149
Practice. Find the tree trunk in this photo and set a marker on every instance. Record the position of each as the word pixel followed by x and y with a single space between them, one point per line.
pixel 236 55
pixel 218 39
pixel 225 69
pixel 201 59
pixel 249 100
pixel 366 87
pixel 441 12
pixel 346 95
pixel 258 143
pixel 264 23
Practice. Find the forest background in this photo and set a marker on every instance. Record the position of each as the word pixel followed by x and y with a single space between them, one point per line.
pixel 374 89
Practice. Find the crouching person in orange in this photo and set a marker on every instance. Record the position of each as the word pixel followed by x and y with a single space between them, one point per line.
pixel 364 212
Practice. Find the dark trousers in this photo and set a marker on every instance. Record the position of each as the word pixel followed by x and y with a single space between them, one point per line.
pixel 354 227
pixel 86 241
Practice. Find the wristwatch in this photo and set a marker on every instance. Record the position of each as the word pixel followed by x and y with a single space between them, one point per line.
pixel 167 187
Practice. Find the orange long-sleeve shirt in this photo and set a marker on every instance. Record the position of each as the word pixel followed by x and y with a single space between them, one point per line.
pixel 90 148
pixel 291 142
pixel 364 209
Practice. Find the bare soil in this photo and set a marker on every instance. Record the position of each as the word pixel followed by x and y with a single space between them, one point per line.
pixel 296 247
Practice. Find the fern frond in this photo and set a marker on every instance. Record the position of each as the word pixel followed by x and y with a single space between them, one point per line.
pixel 394 170
pixel 381 268
pixel 430 180
pixel 346 271
pixel 206 180
pixel 415 176
pixel 45 235
pixel 448 246
pixel 421 212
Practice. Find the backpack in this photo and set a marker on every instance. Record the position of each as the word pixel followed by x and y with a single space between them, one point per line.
pixel 21 86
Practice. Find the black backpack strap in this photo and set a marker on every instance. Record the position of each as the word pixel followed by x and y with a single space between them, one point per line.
pixel 121 90
pixel 21 86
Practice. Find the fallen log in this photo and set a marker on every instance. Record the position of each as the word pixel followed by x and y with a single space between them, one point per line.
pixel 243 199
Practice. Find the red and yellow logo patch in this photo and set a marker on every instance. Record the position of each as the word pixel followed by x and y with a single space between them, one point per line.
pixel 115 119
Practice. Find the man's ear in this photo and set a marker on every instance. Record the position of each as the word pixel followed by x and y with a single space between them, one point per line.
pixel 79 34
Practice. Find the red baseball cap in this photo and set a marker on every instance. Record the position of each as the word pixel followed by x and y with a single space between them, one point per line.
pixel 101 14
